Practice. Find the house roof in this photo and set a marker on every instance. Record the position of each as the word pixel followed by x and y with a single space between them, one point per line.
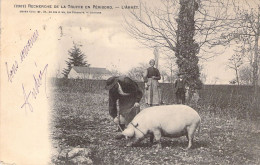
pixel 93 70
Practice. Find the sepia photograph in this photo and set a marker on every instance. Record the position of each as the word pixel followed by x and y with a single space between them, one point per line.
pixel 130 82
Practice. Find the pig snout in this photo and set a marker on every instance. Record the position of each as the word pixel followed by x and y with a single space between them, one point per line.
pixel 134 135
pixel 128 132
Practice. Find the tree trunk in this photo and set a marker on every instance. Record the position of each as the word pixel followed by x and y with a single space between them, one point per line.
pixel 156 57
pixel 251 63
pixel 237 76
pixel 171 75
pixel 186 47
pixel 255 67
pixel 255 61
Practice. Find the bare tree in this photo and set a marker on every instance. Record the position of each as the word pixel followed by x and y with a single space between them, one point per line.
pixel 157 27
pixel 234 63
pixel 245 75
pixel 170 67
pixel 246 26
pixel 203 76
pixel 137 73
pixel 115 71
pixel 246 51
pixel 154 27
pixel 181 28
pixel 58 72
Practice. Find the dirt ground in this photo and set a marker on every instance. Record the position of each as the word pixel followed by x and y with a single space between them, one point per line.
pixel 82 120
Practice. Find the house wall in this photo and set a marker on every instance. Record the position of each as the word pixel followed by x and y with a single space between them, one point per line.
pixel 73 74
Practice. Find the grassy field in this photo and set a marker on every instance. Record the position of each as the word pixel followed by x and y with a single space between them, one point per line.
pixel 80 119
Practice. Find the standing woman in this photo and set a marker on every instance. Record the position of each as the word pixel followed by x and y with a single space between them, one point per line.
pixel 151 77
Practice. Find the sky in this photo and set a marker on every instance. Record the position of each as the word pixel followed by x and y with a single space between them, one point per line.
pixel 106 43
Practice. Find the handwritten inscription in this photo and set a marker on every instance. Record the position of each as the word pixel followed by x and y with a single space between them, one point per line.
pixel 35 90
pixel 11 72
pixel 38 79
pixel 29 45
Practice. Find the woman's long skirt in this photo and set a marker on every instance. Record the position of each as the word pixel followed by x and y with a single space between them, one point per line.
pixel 152 92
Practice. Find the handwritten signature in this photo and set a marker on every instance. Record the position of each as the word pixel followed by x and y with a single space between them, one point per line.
pixel 14 69
pixel 33 93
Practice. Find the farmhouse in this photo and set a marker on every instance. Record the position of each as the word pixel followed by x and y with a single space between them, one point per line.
pixel 81 72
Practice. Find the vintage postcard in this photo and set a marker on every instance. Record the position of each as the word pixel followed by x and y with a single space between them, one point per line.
pixel 129 82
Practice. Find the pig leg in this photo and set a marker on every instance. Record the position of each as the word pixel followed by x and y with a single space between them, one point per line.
pixel 157 136
pixel 189 141
pixel 190 134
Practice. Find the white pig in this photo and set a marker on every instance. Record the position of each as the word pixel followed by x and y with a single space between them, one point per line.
pixel 168 120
